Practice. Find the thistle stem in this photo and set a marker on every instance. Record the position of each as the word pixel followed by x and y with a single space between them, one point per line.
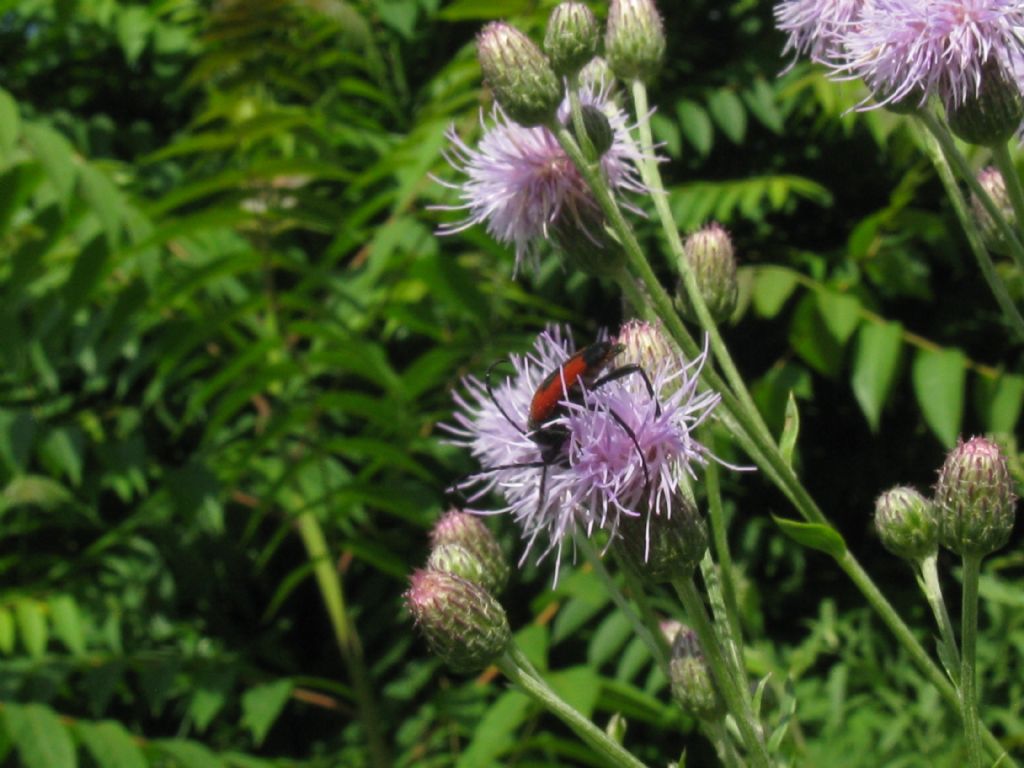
pixel 968 678
pixel 928 579
pixel 731 688
pixel 614 754
pixel 974 238
pixel 752 434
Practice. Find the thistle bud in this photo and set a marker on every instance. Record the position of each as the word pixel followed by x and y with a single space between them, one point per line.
pixel 662 549
pixel 464 626
pixel 634 41
pixel 596 72
pixel 597 127
pixel 974 498
pixel 584 238
pixel 519 73
pixel 906 523
pixel 644 344
pixel 991 180
pixel 692 684
pixel 993 115
pixel 571 38
pixel 712 259
pixel 469 533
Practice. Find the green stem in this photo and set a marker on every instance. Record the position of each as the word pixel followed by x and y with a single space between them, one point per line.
pixel 968 678
pixel 974 238
pixel 643 624
pixel 345 634
pixel 928 580
pixel 728 685
pixel 511 664
pixel 1001 154
pixel 751 433
pixel 576 112
pixel 959 164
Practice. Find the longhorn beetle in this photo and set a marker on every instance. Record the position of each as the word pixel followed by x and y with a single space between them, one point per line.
pixel 564 384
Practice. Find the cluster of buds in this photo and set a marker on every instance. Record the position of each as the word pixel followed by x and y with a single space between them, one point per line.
pixel 527 81
pixel 972 512
pixel 709 255
pixel 452 599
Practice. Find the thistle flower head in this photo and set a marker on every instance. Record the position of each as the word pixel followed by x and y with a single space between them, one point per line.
pixel 572 37
pixel 520 184
pixel 463 624
pixel 906 523
pixel 912 49
pixel 519 74
pixel 816 28
pixel 458 537
pixel 975 498
pixel 710 255
pixel 597 478
pixel 634 40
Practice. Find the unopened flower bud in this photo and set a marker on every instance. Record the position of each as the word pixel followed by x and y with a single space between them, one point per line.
pixel 634 41
pixel 588 245
pixel 975 498
pixel 692 684
pixel 991 180
pixel 596 72
pixel 464 626
pixel 469 533
pixel 597 127
pixel 571 38
pixel 662 549
pixel 993 115
pixel 644 344
pixel 519 73
pixel 906 523
pixel 712 259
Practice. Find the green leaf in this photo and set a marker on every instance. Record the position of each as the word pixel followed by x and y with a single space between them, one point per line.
pixel 939 377
pixel 579 687
pixel 7 633
pixel 999 401
pixel 262 705
pixel 666 132
pixel 35 490
pixel 812 340
pixel 875 366
pixel 39 736
pixel 790 430
pixel 186 754
pixel 67 624
pixel 110 745
pixel 841 313
pixel 609 638
pixel 728 112
pixel 495 731
pixel 533 641
pixel 696 125
pixel 59 450
pixel 772 286
pixel 105 200
pixel 134 25
pixel 31 626
pixel 57 157
pixel 474 10
pixel 823 538
pixel 760 99
pixel 210 696
pixel 10 125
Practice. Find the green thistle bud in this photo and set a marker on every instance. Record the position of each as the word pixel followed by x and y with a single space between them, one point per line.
pixel 993 115
pixel 991 180
pixel 663 549
pixel 712 259
pixel 571 38
pixel 692 684
pixel 469 533
pixel 597 72
pixel 975 498
pixel 597 127
pixel 644 344
pixel 634 41
pixel 464 626
pixel 907 524
pixel 519 73
pixel 588 245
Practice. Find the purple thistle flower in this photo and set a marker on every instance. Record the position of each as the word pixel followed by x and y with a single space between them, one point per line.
pixel 519 181
pixel 917 48
pixel 599 477
pixel 816 27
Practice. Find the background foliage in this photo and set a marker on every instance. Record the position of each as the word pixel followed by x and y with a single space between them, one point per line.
pixel 229 333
